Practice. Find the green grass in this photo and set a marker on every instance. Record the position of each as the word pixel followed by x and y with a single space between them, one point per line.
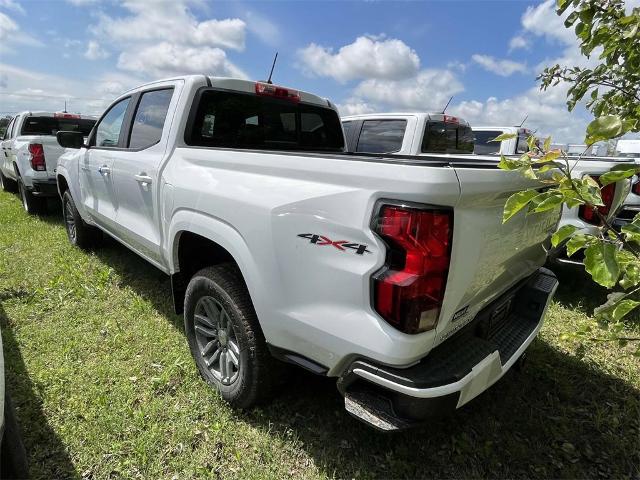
pixel 104 385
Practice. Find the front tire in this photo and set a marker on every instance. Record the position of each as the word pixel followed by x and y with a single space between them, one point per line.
pixel 32 205
pixel 225 338
pixel 79 233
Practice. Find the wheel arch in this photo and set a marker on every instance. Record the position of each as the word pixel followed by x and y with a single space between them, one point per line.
pixel 198 241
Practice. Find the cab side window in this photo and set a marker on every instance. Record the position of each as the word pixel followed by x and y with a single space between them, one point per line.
pixel 381 136
pixel 149 119
pixel 108 130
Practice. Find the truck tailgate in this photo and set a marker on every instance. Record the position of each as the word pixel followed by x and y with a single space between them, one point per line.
pixel 52 149
pixel 488 257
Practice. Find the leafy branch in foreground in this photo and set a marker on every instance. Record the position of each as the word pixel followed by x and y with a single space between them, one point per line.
pixel 610 257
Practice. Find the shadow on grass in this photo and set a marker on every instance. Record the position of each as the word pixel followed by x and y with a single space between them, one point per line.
pixel 46 453
pixel 560 418
pixel 577 290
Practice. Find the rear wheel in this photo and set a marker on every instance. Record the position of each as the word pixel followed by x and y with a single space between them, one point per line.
pixel 225 338
pixel 79 233
pixel 7 184
pixel 32 205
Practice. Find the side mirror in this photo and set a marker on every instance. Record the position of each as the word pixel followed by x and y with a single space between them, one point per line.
pixel 70 139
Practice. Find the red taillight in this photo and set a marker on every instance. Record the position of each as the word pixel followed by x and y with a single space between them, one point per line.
pixel 409 289
pixel 588 214
pixel 37 157
pixel 269 90
pixel 635 188
pixel 450 119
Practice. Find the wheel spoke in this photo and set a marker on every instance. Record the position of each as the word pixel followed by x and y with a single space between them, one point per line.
pixel 233 347
pixel 224 373
pixel 210 309
pixel 227 324
pixel 205 331
pixel 208 347
pixel 233 358
pixel 206 321
pixel 214 357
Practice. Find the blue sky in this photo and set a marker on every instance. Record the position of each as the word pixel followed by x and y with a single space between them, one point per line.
pixel 364 56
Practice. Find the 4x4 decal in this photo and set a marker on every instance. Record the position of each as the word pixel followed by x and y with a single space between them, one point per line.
pixel 321 240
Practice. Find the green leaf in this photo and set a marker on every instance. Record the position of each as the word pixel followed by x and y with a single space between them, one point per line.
pixel 632 232
pixel 549 156
pixel 562 234
pixel 504 136
pixel 578 242
pixel 508 163
pixel 600 261
pixel 604 128
pixel 547 143
pixel 528 172
pixel 547 201
pixel 619 172
pixel 571 19
pixel 615 310
pixel 517 202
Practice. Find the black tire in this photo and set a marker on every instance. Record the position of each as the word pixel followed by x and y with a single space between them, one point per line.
pixel 257 371
pixel 32 205
pixel 12 453
pixel 7 184
pixel 79 233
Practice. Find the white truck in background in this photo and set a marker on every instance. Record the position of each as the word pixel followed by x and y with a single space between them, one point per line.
pixel 511 146
pixel 30 152
pixel 629 148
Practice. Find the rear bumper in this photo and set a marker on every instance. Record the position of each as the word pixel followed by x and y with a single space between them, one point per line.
pixel 44 188
pixel 456 371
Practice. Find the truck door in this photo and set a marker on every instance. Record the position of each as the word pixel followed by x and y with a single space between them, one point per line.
pixel 136 172
pixel 96 168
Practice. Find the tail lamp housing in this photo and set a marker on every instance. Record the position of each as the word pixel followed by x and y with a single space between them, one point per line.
pixel 635 188
pixel 37 157
pixel 588 213
pixel 409 289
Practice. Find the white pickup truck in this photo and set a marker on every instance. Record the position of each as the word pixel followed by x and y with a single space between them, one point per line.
pixel 393 274
pixel 30 154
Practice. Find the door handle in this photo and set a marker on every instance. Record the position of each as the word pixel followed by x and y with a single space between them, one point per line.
pixel 143 178
pixel 104 170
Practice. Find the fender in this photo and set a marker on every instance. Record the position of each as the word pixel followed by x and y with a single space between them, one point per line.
pixel 220 232
pixel 74 188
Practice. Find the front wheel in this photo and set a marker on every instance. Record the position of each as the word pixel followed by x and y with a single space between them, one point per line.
pixel 32 204
pixel 79 233
pixel 225 338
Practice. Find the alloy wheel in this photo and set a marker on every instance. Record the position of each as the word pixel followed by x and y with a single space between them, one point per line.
pixel 216 340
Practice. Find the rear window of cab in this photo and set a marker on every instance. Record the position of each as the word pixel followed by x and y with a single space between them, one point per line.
pixel 248 121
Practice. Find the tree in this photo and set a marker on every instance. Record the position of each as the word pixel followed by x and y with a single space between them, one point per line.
pixel 611 257
pixel 604 29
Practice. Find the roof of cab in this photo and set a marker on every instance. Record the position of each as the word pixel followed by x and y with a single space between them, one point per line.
pixel 237 84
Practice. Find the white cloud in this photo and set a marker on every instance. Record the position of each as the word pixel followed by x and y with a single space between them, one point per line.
pixel 264 29
pixel 547 113
pixel 168 39
pixel 7 27
pixel 12 5
pixel 355 106
pixel 166 59
pixel 95 51
pixel 428 90
pixel 170 21
pixel 366 57
pixel 543 21
pixel 11 34
pixel 518 42
pixel 504 68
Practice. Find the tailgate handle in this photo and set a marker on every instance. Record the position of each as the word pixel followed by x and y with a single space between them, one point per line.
pixel 143 178
pixel 104 170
